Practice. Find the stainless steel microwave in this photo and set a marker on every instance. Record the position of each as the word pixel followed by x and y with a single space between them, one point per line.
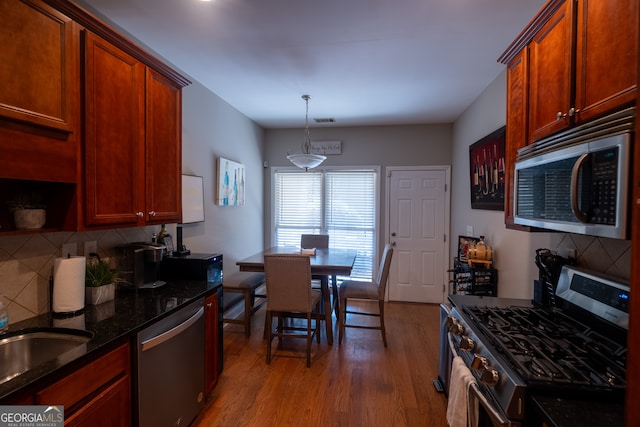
pixel 582 188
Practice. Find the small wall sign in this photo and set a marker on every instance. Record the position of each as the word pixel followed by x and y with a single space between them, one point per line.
pixel 326 147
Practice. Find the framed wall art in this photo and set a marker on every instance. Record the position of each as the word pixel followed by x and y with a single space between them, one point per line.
pixel 487 169
pixel 230 188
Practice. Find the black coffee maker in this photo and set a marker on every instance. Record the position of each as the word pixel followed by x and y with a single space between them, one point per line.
pixel 141 264
pixel 549 265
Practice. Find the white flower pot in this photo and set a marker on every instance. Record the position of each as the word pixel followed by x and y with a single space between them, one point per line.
pixel 29 219
pixel 100 294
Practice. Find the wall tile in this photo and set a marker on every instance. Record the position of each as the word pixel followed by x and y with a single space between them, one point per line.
pixel 26 264
pixel 610 256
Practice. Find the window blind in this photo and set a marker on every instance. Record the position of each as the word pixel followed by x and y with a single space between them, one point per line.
pixel 338 202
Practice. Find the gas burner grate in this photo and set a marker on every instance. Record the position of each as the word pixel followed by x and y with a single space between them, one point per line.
pixel 548 347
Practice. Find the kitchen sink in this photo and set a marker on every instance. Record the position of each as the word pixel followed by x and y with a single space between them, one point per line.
pixel 27 349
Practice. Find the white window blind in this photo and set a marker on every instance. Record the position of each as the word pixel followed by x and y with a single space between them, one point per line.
pixel 338 202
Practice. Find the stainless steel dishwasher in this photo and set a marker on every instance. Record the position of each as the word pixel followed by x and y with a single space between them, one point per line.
pixel 170 369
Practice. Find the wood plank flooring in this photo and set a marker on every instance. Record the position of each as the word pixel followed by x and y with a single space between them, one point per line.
pixel 358 383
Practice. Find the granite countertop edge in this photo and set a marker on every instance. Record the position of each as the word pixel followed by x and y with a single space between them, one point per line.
pixel 131 311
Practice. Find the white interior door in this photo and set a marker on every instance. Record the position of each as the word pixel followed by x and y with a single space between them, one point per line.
pixel 418 227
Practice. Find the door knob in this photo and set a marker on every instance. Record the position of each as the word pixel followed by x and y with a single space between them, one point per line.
pixel 393 234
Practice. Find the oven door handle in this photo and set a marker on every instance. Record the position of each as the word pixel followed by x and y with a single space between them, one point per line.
pixel 497 419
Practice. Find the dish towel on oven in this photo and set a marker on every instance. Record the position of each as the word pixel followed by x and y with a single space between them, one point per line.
pixel 462 408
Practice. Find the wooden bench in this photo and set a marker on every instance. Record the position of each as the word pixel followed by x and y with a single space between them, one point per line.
pixel 238 287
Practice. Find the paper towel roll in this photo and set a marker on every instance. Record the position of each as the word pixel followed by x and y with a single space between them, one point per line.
pixel 68 284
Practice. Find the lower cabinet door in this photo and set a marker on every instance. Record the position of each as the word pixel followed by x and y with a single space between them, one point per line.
pixel 110 408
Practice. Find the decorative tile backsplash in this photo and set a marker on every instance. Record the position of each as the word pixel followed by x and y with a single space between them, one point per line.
pixel 26 263
pixel 610 256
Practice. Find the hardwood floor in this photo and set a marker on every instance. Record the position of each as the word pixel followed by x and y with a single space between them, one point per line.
pixel 358 383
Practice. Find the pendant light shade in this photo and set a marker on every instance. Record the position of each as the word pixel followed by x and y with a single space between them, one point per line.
pixel 306 160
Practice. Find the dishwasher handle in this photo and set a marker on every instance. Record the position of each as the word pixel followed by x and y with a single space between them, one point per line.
pixel 165 336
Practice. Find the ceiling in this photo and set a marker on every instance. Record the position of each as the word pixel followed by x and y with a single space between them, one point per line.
pixel 364 62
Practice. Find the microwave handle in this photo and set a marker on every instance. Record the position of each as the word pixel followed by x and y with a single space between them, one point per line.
pixel 580 216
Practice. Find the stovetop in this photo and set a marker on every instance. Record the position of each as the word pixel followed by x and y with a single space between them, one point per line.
pixel 548 348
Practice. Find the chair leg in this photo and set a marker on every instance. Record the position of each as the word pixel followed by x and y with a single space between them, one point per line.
pixel 268 335
pixel 342 319
pixel 247 312
pixel 267 325
pixel 318 327
pixel 384 335
pixel 336 298
pixel 309 336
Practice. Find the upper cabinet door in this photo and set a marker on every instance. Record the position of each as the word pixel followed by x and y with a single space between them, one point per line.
pixel 114 135
pixel 551 75
pixel 606 56
pixel 38 65
pixel 516 132
pixel 163 150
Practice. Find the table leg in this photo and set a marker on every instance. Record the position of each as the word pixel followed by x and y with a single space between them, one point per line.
pixel 324 283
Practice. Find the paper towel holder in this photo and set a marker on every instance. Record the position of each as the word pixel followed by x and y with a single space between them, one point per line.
pixel 56 315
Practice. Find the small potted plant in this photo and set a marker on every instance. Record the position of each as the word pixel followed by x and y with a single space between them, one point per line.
pixel 29 213
pixel 100 281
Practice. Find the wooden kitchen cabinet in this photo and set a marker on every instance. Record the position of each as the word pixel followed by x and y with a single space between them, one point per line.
pixel 516 131
pixel 575 61
pixel 97 394
pixel 550 74
pixel 163 162
pixel 133 152
pixel 601 39
pixel 606 56
pixel 114 134
pixel 37 65
pixel 39 94
pixel 212 341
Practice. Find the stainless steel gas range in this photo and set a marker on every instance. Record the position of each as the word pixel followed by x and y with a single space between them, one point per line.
pixel 517 350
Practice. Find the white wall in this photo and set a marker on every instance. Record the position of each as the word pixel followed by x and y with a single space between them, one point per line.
pixel 212 128
pixel 514 251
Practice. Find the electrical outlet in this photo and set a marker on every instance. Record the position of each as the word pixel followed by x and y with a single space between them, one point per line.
pixel 69 249
pixel 89 247
pixel 470 230
pixel 572 253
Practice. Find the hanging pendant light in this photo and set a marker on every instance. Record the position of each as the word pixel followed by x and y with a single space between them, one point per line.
pixel 306 160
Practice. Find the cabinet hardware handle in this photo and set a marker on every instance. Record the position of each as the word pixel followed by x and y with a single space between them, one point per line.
pixel 152 213
pixel 139 214
pixel 560 116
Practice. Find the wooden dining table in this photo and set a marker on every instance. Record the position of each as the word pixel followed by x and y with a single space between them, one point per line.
pixel 329 262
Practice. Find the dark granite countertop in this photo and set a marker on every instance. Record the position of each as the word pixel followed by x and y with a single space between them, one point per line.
pixel 561 412
pixel 131 311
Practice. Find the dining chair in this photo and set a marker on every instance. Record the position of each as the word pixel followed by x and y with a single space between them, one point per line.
pixel 371 291
pixel 318 241
pixel 289 293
